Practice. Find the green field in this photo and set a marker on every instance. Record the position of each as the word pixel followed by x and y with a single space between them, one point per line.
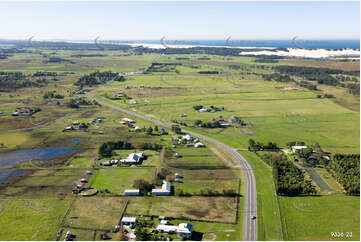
pixel 314 218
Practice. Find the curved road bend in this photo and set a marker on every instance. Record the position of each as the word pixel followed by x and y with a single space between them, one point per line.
pixel 250 195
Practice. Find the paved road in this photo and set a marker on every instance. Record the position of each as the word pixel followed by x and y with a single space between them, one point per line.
pixel 250 195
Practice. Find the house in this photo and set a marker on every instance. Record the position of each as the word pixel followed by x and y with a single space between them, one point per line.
pixel 132 192
pixel 132 101
pixel 133 158
pixel 113 162
pixel 118 95
pixel 225 125
pixel 163 221
pixel 137 129
pixel 296 148
pixel 177 175
pixel 183 230
pixel 69 128
pixel 128 121
pixel 198 145
pixel 129 221
pixel 204 110
pixel 83 180
pixel 88 172
pixel 106 163
pixel 164 191
pixel 187 137
pixel 76 123
pixel 169 229
pixel 183 115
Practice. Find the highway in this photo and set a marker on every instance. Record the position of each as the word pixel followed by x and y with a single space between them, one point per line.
pixel 250 194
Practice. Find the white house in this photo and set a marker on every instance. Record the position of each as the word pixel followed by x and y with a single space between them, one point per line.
pixel 129 221
pixel 132 101
pixel 204 110
pixel 187 137
pixel 164 191
pixel 296 148
pixel 131 192
pixel 133 158
pixel 199 144
pixel 128 120
pixel 183 230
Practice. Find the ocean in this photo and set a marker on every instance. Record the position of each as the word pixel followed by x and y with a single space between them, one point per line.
pixel 292 43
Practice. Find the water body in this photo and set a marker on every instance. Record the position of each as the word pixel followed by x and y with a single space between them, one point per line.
pixel 296 42
pixel 316 178
pixel 13 158
pixel 7 174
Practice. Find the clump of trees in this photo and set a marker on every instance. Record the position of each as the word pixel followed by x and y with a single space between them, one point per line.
pixel 346 169
pixel 52 94
pixel 210 124
pixel 107 148
pixel 150 146
pixel 75 103
pixel 288 179
pixel 143 185
pixel 277 77
pixel 97 78
pixel 255 146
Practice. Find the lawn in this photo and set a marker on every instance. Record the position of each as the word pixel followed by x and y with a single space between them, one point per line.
pixel 116 180
pixel 194 187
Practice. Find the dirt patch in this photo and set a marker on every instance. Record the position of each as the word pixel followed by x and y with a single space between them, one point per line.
pixel 246 131
pixel 291 89
pixel 150 93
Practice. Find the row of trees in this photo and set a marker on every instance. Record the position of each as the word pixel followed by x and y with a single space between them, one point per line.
pixel 277 77
pixel 346 169
pixel 107 148
pixel 255 146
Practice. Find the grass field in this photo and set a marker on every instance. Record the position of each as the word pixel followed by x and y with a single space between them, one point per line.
pixel 314 218
pixel 31 219
pixel 220 209
pixel 96 212
pixel 118 179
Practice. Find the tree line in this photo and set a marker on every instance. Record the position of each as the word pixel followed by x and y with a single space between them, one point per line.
pixel 346 169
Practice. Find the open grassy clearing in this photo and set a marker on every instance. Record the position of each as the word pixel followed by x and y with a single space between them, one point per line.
pixel 196 186
pixel 221 209
pixel 37 219
pixel 314 218
pixel 96 212
pixel 116 180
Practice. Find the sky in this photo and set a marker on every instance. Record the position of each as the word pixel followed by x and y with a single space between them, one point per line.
pixel 179 20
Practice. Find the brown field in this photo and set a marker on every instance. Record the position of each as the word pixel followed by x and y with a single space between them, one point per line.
pixel 331 64
pixel 95 212
pixel 220 209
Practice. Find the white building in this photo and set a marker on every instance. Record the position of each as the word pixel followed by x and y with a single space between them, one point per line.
pixel 132 101
pixel 187 137
pixel 204 110
pixel 133 158
pixel 129 221
pixel 131 192
pixel 183 230
pixel 198 145
pixel 164 191
pixel 296 148
pixel 128 120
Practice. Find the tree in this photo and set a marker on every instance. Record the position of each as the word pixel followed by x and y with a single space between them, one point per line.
pixel 142 185
pixel 150 130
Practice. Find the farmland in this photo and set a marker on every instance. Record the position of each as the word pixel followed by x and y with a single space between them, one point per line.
pixel 210 194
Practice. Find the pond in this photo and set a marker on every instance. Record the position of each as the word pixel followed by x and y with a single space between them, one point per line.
pixel 7 174
pixel 13 158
